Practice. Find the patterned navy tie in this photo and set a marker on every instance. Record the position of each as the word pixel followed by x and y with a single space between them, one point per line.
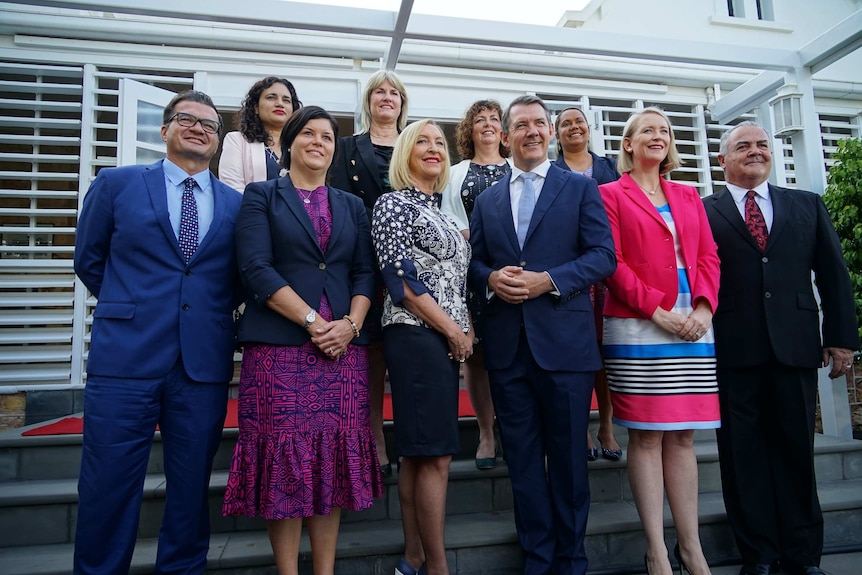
pixel 188 238
pixel 525 206
pixel 754 220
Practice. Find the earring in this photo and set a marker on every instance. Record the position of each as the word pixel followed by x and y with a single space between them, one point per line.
pixel 288 150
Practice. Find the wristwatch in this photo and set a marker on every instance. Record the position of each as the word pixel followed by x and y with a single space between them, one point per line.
pixel 309 318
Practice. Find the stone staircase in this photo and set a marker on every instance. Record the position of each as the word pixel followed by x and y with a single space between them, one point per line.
pixel 38 504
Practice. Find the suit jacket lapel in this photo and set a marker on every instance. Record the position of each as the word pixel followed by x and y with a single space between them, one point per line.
pixel 218 215
pixel 725 205
pixel 338 208
pixel 290 196
pixel 503 199
pixel 636 195
pixel 366 154
pixel 550 190
pixel 781 205
pixel 154 180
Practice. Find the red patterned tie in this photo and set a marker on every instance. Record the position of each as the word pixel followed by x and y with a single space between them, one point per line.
pixel 188 236
pixel 754 220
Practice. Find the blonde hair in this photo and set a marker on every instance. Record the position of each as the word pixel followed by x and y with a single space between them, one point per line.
pixel 625 162
pixel 399 168
pixel 374 82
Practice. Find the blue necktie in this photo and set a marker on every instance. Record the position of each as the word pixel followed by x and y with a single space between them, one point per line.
pixel 188 236
pixel 525 206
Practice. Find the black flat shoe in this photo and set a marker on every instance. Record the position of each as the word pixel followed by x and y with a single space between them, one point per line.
pixel 386 469
pixel 592 453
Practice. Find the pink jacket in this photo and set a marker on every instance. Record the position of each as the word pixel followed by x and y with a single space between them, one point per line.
pixel 241 163
pixel 646 274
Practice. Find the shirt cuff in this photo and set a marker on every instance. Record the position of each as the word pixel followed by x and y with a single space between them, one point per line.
pixel 395 274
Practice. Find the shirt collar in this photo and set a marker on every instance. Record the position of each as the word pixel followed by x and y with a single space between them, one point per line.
pixel 176 175
pixel 738 192
pixel 541 170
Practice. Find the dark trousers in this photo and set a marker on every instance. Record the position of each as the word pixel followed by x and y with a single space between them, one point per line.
pixel 120 416
pixel 543 418
pixel 766 450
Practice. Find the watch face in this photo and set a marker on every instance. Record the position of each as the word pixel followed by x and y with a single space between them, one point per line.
pixel 311 317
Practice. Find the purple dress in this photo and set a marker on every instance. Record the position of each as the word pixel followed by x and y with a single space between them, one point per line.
pixel 305 442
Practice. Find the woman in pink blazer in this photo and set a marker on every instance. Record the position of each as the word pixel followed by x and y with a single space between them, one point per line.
pixel 252 154
pixel 658 343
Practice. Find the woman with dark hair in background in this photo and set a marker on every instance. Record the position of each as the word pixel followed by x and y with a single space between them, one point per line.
pixel 362 168
pixel 573 147
pixel 252 154
pixel 478 137
pixel 305 447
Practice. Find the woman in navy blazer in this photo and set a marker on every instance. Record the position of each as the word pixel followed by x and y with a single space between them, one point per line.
pixel 658 343
pixel 573 142
pixel 305 446
pixel 362 168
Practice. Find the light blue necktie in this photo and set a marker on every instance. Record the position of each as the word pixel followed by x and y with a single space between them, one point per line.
pixel 525 206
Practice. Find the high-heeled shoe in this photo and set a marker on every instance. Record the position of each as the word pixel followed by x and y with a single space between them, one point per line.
pixel 592 453
pixel 386 470
pixel 678 556
pixel 611 454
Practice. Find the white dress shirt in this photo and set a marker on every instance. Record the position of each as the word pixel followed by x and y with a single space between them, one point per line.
pixel 764 202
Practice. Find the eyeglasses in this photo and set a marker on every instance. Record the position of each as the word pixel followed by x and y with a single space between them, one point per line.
pixel 187 121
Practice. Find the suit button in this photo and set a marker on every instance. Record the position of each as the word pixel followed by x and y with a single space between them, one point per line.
pixel 188 272
pixel 764 259
pixel 522 264
pixel 321 266
pixel 185 306
pixel 767 295
pixel 578 292
pixel 355 178
pixel 571 295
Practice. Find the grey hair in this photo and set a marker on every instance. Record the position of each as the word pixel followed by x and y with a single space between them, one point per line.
pixel 725 137
pixel 525 100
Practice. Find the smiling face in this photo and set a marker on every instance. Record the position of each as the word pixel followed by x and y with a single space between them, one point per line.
pixel 650 140
pixel 427 158
pixel 487 129
pixel 313 147
pixel 574 131
pixel 274 106
pixel 385 104
pixel 748 159
pixel 191 144
pixel 529 133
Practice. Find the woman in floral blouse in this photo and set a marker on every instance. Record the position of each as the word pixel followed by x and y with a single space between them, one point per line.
pixel 426 333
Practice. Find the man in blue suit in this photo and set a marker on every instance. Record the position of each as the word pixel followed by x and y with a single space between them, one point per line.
pixel 540 239
pixel 155 245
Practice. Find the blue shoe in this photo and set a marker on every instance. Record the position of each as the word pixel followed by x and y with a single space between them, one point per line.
pixel 405 568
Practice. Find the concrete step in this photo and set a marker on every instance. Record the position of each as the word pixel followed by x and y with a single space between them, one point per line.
pixel 43 511
pixel 477 542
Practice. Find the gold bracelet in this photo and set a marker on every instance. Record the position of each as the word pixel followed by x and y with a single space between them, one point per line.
pixel 352 326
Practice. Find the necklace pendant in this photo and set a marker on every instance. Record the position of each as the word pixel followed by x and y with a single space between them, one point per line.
pixel 306 200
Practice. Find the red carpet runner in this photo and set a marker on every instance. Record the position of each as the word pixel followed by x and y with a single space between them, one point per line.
pixel 75 424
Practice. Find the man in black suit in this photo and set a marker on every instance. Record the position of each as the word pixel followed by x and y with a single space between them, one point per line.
pixel 769 347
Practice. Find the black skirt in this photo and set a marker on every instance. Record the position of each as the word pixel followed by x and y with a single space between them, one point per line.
pixel 424 384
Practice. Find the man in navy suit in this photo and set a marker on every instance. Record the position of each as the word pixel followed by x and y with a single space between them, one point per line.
pixel 540 239
pixel 155 245
pixel 769 343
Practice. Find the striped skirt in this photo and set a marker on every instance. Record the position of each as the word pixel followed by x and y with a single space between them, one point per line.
pixel 657 380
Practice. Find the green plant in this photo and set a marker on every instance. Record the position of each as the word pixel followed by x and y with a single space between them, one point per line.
pixel 843 199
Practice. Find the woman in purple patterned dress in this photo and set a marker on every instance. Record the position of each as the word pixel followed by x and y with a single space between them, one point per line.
pixel 305 447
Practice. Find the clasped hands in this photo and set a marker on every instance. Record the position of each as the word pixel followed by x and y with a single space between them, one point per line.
pixel 688 328
pixel 514 284
pixel 331 337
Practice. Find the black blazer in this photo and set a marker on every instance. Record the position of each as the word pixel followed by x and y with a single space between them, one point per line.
pixel 355 170
pixel 604 169
pixel 766 301
pixel 276 246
